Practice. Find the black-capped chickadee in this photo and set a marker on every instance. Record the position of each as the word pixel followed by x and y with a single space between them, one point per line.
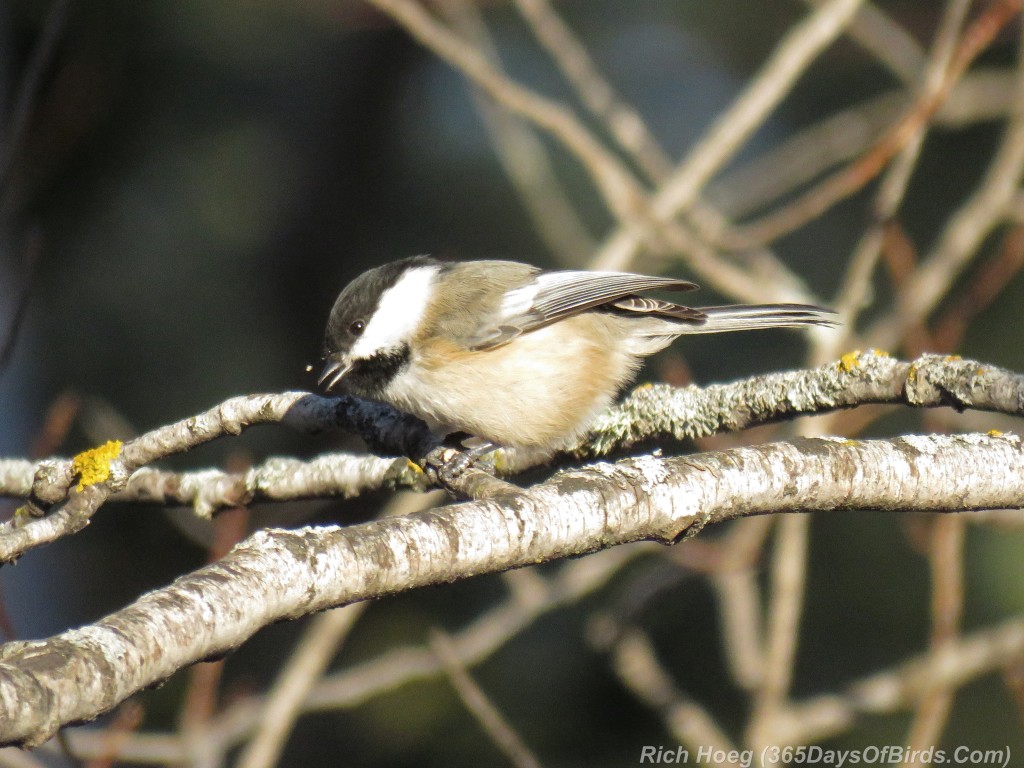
pixel 517 356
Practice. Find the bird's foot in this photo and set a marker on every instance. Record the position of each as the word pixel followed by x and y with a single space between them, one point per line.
pixel 454 466
pixel 452 459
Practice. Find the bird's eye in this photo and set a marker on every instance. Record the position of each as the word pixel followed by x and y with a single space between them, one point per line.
pixel 357 328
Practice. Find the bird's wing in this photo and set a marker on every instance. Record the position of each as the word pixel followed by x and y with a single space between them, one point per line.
pixel 645 305
pixel 552 296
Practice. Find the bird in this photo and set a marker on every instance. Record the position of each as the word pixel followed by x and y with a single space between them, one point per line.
pixel 512 355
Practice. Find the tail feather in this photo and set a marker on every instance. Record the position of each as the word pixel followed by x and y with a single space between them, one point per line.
pixel 659 329
pixel 749 317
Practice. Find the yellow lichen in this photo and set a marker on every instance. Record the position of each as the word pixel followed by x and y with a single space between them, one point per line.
pixel 912 374
pixel 952 358
pixel 25 514
pixel 850 361
pixel 499 460
pixel 994 433
pixel 879 353
pixel 93 466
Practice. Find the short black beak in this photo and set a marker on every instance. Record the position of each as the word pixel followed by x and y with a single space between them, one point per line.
pixel 333 372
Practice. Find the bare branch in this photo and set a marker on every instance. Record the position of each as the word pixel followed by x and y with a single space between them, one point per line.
pixel 854 290
pixel 618 186
pixel 523 156
pixel 636 665
pixel 788 587
pixel 306 666
pixel 740 611
pixel 947 566
pixel 790 59
pixel 483 710
pixel 624 123
pixel 849 180
pixel 378 424
pixel 894 690
pixel 650 413
pixel 277 479
pixel 622 191
pixel 982 95
pixel 986 208
pixel 278 574
pixel 660 411
pixel 886 40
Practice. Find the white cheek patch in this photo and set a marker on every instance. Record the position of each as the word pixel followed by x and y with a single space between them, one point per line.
pixel 398 315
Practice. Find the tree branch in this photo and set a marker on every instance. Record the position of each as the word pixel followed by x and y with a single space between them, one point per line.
pixel 660 411
pixel 278 574
pixel 650 413
pixel 381 426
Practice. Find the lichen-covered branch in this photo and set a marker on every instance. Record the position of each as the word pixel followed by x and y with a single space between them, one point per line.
pixel 650 413
pixel 661 411
pixel 52 481
pixel 279 574
pixel 277 479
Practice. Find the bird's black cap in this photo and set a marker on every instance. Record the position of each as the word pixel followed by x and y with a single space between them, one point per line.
pixel 359 300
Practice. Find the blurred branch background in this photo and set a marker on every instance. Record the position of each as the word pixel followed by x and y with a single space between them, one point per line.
pixel 184 187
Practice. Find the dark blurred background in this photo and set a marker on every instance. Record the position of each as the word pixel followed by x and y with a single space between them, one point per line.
pixel 198 180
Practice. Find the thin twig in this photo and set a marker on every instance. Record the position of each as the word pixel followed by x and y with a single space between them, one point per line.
pixel 33 249
pixel 621 190
pixel 849 180
pixel 947 573
pixel 803 156
pixel 952 665
pixel 127 720
pixel 523 156
pixel 28 90
pixel 732 129
pixel 878 34
pixel 13 757
pixel 987 207
pixel 636 664
pixel 736 585
pixel 851 296
pixel 613 179
pixel 624 123
pixel 306 665
pixel 984 288
pixel 788 586
pixel 494 724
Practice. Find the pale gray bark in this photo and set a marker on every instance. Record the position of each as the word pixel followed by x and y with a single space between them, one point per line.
pixel 649 414
pixel 279 574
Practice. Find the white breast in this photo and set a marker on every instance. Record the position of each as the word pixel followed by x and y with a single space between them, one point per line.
pixel 541 390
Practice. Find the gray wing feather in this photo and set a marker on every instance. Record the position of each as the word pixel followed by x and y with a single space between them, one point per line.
pixel 553 296
pixel 645 305
pixel 566 293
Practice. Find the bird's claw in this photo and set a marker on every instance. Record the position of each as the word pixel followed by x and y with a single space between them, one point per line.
pixel 450 461
pixel 449 464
